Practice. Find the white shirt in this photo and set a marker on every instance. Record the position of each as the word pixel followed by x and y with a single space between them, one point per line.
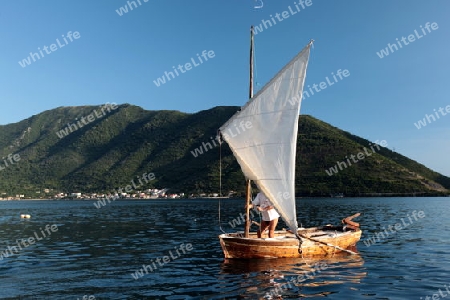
pixel 263 202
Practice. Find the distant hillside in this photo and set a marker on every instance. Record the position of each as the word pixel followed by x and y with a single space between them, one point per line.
pixel 113 147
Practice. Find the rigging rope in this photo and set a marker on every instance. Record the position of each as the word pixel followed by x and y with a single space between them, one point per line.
pixel 220 175
pixel 254 65
pixel 257 211
pixel 220 223
pixel 220 162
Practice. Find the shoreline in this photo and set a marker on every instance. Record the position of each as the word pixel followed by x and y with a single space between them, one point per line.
pixel 237 198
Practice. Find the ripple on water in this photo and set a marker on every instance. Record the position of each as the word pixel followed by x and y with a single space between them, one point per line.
pixel 96 251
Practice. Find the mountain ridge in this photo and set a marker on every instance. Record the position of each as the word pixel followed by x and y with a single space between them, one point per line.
pixel 114 148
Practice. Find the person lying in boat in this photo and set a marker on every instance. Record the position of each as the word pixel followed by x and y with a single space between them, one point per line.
pixel 269 214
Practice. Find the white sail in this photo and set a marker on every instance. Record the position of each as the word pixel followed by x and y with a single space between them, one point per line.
pixel 263 136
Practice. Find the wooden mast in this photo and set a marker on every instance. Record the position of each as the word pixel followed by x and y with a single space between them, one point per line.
pixel 248 183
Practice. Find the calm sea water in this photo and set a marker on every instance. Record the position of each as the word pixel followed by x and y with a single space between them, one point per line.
pixel 95 252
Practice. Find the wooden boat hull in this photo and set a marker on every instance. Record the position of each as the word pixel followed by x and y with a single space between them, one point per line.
pixel 285 244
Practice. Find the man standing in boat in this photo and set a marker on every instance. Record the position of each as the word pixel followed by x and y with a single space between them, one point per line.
pixel 269 214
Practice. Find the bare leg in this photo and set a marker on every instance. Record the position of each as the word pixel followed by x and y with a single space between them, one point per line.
pixel 262 228
pixel 272 226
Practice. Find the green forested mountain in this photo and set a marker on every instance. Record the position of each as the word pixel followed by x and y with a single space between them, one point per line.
pixel 106 150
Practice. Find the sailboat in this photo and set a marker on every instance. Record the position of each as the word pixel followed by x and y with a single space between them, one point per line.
pixel 266 152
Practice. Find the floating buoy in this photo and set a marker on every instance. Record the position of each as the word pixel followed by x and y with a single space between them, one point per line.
pixel 25 216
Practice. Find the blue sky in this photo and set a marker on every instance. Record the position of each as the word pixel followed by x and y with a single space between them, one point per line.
pixel 117 58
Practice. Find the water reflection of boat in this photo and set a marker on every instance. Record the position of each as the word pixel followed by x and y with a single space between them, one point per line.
pixel 294 277
pixel 241 266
